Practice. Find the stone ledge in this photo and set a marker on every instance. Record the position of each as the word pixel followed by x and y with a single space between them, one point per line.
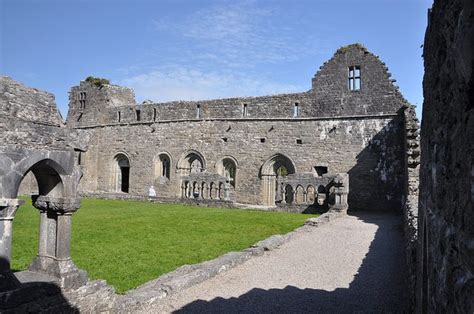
pixel 189 275
pixel 324 219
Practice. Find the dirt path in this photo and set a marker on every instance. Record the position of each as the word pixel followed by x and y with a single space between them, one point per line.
pixel 355 264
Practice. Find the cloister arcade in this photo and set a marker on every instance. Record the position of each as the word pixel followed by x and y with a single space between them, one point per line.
pixel 57 177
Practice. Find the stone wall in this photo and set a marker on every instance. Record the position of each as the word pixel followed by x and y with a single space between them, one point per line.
pixel 410 199
pixel 446 215
pixel 360 132
pixel 368 149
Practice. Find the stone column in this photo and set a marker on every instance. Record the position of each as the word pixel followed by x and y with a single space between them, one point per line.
pixel 226 191
pixel 8 209
pixel 283 194
pixel 341 190
pixel 54 258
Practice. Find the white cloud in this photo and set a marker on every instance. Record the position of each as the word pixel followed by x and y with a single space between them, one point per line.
pixel 244 35
pixel 217 51
pixel 190 84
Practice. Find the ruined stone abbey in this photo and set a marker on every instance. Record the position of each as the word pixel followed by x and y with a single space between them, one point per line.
pixel 282 150
pixel 351 142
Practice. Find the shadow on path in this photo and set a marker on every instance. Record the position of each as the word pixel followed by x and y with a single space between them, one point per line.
pixel 28 292
pixel 379 285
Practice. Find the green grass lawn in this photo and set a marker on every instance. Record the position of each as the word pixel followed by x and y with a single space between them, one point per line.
pixel 129 243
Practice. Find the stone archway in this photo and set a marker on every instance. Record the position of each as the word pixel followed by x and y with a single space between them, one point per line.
pixel 121 173
pixel 191 162
pixel 275 166
pixel 227 167
pixel 57 178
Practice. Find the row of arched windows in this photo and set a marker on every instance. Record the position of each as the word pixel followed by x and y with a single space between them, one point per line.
pixel 191 162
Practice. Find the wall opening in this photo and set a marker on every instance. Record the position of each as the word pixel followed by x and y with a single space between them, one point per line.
pixel 275 168
pixel 119 116
pixel 163 166
pixel 296 111
pixel 192 162
pixel 228 169
pixel 244 110
pixel 320 170
pixel 198 111
pixel 121 173
pixel 138 114
pixel 354 78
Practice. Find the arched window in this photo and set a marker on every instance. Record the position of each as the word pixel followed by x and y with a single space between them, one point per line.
pixel 299 195
pixel 192 162
pixel 227 167
pixel 163 166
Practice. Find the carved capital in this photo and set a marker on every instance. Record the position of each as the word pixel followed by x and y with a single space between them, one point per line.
pixel 8 207
pixel 58 205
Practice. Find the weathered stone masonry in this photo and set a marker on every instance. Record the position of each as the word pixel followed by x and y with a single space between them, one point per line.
pixel 327 130
pixel 34 139
pixel 446 214
pixel 287 150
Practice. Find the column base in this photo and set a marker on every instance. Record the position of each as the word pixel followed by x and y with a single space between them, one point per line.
pixel 8 281
pixel 339 208
pixel 67 274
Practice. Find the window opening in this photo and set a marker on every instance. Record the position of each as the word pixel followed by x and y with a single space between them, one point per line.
pixel 244 110
pixel 354 78
pixel 198 111
pixel 296 112
pixel 320 170
pixel 139 116
pixel 119 116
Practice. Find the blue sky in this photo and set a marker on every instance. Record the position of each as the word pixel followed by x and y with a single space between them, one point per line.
pixel 170 50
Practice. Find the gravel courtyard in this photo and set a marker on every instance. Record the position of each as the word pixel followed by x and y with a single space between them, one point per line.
pixel 355 264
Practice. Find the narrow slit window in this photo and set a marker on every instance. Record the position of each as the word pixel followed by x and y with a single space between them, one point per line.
pixel 82 100
pixel 244 110
pixel 354 78
pixel 119 116
pixel 154 114
pixel 139 116
pixel 296 110
pixel 198 111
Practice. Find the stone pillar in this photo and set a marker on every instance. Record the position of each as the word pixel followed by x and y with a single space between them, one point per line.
pixel 341 190
pixel 54 258
pixel 226 191
pixel 8 209
pixel 283 194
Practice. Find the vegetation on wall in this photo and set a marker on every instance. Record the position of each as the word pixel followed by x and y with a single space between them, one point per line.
pixel 97 81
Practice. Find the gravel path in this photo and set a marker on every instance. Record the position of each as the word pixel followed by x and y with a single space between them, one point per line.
pixel 355 264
